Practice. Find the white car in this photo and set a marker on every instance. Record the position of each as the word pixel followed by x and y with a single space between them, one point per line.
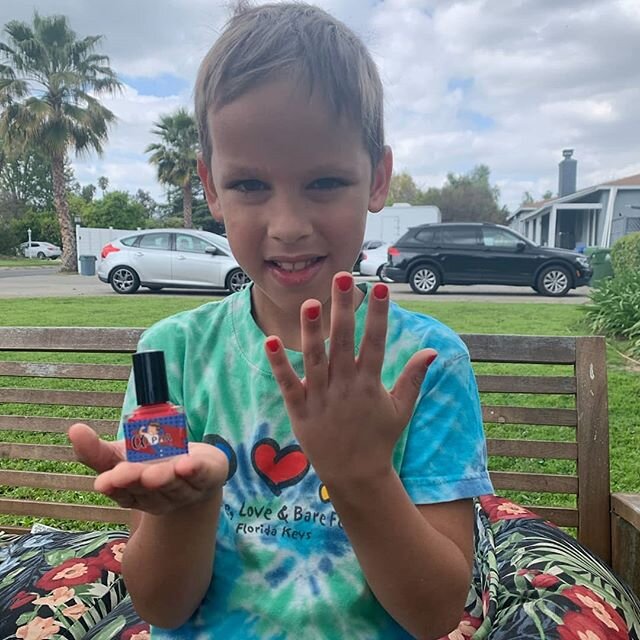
pixel 373 262
pixel 40 250
pixel 173 258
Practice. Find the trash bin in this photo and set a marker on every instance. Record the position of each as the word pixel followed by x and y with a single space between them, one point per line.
pixel 600 260
pixel 88 265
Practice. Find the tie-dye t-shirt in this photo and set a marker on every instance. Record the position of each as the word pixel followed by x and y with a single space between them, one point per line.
pixel 284 568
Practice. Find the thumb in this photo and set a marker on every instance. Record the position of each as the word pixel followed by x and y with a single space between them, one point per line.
pixel 93 452
pixel 407 387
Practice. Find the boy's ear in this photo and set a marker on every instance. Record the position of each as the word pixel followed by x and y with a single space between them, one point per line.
pixel 381 180
pixel 213 202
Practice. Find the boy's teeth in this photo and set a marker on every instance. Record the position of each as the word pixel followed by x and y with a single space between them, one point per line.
pixel 294 266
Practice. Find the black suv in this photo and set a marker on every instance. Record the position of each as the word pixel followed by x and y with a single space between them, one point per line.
pixel 482 253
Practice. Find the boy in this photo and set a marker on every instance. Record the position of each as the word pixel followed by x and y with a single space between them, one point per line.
pixel 329 507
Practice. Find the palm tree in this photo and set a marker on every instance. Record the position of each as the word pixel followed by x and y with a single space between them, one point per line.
pixel 48 84
pixel 175 155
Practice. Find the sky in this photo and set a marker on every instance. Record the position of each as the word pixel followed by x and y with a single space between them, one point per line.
pixel 506 83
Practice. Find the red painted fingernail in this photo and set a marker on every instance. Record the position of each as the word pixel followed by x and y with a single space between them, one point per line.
pixel 431 358
pixel 344 282
pixel 312 313
pixel 380 291
pixel 273 344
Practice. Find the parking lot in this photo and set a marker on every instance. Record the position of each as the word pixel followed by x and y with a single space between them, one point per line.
pixel 36 282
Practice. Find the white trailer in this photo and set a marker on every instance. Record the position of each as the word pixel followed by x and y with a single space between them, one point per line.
pixel 392 222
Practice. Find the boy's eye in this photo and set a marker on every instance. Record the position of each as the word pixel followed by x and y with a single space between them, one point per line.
pixel 327 183
pixel 248 186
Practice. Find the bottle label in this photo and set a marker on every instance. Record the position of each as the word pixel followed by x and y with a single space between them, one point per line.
pixel 156 437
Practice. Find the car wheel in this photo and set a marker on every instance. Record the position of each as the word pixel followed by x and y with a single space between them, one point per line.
pixel 380 274
pixel 424 279
pixel 237 280
pixel 124 280
pixel 40 255
pixel 554 281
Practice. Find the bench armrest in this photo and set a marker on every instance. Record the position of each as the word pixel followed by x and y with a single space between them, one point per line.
pixel 625 537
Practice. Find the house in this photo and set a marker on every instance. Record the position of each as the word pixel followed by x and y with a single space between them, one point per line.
pixel 596 216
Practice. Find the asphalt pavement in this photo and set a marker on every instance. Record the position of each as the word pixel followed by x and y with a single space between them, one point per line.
pixel 36 282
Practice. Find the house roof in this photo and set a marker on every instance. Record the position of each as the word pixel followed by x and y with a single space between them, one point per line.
pixel 629 181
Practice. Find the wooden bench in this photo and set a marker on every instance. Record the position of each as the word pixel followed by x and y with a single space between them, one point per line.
pixel 564 379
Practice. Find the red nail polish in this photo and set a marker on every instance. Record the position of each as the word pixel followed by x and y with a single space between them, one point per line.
pixel 273 344
pixel 380 291
pixel 431 358
pixel 344 282
pixel 312 313
pixel 156 429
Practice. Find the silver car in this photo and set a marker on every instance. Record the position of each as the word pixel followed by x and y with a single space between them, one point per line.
pixel 39 249
pixel 172 258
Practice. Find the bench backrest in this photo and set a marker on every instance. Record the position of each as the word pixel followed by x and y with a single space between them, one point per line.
pixel 41 370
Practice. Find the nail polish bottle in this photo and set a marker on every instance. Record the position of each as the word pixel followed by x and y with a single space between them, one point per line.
pixel 156 429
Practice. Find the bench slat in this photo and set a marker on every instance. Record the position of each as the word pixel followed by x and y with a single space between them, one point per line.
pixel 66 398
pixel 545 449
pixel 532 349
pixel 60 370
pixel 526 384
pixel 529 415
pixel 545 483
pixel 41 480
pixel 40 424
pixel 53 452
pixel 563 517
pixel 64 511
pixel 104 340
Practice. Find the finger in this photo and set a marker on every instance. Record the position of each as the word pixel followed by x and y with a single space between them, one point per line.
pixel 407 387
pixel 341 350
pixel 316 370
pixel 93 452
pixel 125 475
pixel 290 385
pixel 371 354
pixel 162 479
pixel 204 467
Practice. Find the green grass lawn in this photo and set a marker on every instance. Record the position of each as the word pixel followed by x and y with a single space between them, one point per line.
pixel 9 261
pixel 473 317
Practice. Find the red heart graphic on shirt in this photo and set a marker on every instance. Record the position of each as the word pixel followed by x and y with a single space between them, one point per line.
pixel 279 468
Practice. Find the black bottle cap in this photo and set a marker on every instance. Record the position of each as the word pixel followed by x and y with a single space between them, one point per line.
pixel 150 376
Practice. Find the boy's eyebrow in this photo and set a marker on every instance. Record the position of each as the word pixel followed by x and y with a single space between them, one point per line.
pixel 327 169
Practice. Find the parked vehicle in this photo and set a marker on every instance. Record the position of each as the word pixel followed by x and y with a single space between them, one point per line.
pixel 481 253
pixel 367 244
pixel 39 249
pixel 158 258
pixel 374 260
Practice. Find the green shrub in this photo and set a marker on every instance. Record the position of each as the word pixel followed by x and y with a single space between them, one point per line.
pixel 614 309
pixel 625 254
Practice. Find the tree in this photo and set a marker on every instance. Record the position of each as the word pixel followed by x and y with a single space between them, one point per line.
pixel 103 183
pixel 175 155
pixel 117 209
pixel 468 197
pixel 48 87
pixel 527 198
pixel 403 189
pixel 547 195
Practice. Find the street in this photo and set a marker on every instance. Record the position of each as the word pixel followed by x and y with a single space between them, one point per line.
pixel 35 282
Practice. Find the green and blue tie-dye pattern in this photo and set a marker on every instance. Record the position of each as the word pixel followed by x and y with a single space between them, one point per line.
pixel 284 565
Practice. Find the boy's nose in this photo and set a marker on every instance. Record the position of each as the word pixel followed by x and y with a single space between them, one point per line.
pixel 289 223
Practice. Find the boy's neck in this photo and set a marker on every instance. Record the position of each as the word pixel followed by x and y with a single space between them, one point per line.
pixel 273 321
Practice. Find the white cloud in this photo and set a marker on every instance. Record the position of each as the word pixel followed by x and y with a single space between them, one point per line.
pixel 508 84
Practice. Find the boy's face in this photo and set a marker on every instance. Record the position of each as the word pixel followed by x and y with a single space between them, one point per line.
pixel 292 184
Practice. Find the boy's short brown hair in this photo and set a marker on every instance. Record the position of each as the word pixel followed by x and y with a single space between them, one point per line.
pixel 261 43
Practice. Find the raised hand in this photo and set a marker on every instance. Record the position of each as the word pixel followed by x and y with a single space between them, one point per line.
pixel 159 487
pixel 345 420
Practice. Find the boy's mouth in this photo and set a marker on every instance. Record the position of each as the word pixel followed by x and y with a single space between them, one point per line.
pixel 298 265
pixel 297 271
